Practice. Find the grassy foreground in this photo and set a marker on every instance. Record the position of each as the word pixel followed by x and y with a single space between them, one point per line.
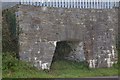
pixel 59 69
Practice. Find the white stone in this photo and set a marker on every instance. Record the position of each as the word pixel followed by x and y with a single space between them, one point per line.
pixel 112 63
pixel 111 29
pixel 92 63
pixel 35 42
pixel 61 22
pixel 44 66
pixel 104 51
pixel 112 46
pixel 105 59
pixel 35 58
pixel 109 62
pixel 90 19
pixel 53 42
pixel 108 51
pixel 89 50
pixel 113 51
pixel 84 58
pixel 109 55
pixel 40 63
pixel 78 23
pixel 84 26
pixel 45 40
pixel 40 39
pixel 21 43
pixel 57 19
pixel 38 52
pixel 82 23
pixel 30 50
pixel 37 28
pixel 99 56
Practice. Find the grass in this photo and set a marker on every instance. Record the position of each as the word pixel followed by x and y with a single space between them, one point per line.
pixel 59 69
pixel 0 65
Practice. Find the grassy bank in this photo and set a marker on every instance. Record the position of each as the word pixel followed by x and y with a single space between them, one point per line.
pixel 59 69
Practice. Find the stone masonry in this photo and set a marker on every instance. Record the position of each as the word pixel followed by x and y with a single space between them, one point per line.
pixel 95 31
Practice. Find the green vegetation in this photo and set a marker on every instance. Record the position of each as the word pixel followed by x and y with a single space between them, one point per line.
pixel 9 31
pixel 118 61
pixel 13 68
pixel 0 66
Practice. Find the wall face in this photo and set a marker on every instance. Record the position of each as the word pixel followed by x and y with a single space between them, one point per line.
pixel 42 27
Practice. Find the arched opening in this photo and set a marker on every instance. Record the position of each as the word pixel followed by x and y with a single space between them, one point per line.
pixel 69 51
pixel 62 50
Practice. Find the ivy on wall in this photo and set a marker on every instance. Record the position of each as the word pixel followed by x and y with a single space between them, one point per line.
pixel 9 31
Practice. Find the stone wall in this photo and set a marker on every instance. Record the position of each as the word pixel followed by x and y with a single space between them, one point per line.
pixel 94 29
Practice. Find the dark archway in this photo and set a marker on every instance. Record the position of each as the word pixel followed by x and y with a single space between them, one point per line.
pixel 62 50
pixel 70 50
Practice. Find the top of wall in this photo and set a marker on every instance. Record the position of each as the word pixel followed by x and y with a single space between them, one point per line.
pixel 63 23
